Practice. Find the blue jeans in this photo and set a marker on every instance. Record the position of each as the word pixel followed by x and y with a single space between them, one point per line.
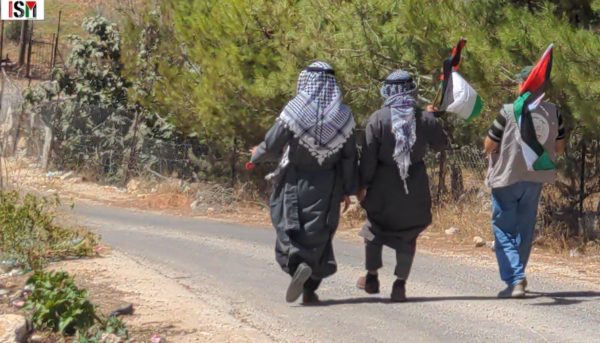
pixel 513 220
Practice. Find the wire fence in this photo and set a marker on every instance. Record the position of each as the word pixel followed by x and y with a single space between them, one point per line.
pixel 457 176
pixel 11 101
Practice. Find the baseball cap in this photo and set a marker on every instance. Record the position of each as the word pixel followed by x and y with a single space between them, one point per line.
pixel 524 74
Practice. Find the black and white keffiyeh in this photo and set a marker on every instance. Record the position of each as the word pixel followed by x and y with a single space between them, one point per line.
pixel 400 94
pixel 316 115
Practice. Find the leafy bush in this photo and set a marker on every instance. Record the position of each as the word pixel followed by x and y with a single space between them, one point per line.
pixel 29 237
pixel 59 305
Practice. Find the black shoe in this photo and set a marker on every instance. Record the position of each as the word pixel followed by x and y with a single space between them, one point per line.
pixel 309 297
pixel 296 287
pixel 399 291
pixel 369 283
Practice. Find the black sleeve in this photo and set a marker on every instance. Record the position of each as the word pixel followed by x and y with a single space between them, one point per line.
pixel 349 163
pixel 497 130
pixel 438 139
pixel 561 126
pixel 370 152
pixel 271 149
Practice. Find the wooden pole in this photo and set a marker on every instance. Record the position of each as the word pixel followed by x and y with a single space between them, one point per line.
pixel 134 144
pixel 582 181
pixel 2 40
pixel 56 40
pixel 22 51
pixel 29 51
pixel 441 176
pixel 233 163
pixel 52 52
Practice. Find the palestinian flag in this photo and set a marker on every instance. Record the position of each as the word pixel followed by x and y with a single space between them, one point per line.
pixel 457 95
pixel 532 92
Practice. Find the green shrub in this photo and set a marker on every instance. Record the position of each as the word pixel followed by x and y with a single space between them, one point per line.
pixel 29 237
pixel 59 305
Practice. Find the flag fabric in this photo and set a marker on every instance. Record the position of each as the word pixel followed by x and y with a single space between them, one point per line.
pixel 532 92
pixel 458 96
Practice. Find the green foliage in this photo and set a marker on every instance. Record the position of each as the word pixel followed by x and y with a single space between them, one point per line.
pixel 29 237
pixel 58 304
pixel 12 31
pixel 98 120
pixel 221 71
pixel 249 54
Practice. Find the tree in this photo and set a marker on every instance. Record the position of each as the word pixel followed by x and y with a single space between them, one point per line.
pixel 95 122
pixel 242 58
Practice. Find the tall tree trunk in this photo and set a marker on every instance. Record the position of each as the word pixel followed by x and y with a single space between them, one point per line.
pixel 23 42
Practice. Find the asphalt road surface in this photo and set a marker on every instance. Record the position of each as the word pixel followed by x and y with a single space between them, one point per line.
pixel 450 301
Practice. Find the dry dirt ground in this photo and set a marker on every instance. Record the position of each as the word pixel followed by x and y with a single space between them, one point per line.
pixel 166 307
pixel 162 306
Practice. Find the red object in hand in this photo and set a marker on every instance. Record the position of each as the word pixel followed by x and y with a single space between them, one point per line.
pixel 249 165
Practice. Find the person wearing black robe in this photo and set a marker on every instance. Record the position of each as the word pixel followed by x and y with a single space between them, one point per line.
pixel 394 185
pixel 318 171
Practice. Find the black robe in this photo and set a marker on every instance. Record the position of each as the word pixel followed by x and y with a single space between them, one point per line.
pixel 306 200
pixel 393 216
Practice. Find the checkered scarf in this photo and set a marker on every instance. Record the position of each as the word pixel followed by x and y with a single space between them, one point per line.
pixel 316 115
pixel 401 99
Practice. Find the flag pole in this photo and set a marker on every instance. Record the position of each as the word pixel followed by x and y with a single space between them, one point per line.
pixel 437 97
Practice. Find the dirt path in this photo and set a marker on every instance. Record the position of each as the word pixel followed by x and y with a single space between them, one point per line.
pixel 162 305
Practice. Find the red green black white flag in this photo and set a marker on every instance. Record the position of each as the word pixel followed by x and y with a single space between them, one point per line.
pixel 458 96
pixel 531 94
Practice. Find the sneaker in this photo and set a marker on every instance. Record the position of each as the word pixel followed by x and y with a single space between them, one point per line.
pixel 516 291
pixel 399 291
pixel 296 286
pixel 369 283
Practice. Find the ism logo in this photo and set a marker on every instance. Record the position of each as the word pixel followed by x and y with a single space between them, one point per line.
pixel 22 10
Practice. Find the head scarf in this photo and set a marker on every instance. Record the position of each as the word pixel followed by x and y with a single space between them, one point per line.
pixel 400 94
pixel 316 115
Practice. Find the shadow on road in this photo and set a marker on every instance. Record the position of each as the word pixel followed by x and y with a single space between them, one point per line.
pixel 560 298
pixel 564 298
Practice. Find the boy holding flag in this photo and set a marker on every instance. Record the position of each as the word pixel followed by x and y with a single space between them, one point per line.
pixel 523 142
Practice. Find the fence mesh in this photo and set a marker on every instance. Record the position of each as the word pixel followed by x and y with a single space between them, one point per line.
pixel 11 100
pixel 456 176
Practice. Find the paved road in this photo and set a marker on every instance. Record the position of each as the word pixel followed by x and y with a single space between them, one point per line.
pixel 450 301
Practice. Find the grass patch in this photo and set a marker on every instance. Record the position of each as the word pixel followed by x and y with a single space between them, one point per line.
pixel 29 238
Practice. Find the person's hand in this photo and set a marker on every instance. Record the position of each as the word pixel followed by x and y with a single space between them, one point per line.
pixel 361 195
pixel 347 203
pixel 253 150
pixel 431 108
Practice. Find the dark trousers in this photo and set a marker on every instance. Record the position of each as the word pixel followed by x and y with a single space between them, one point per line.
pixel 405 255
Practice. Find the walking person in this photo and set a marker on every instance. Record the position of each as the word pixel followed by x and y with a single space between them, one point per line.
pixel 516 189
pixel 318 172
pixel 394 185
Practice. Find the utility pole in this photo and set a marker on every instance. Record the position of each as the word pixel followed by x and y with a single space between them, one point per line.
pixel 23 50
